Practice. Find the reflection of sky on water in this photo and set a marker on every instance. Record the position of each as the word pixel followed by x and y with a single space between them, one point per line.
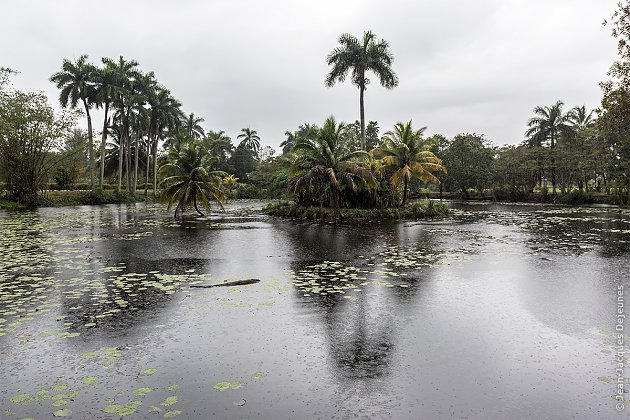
pixel 498 311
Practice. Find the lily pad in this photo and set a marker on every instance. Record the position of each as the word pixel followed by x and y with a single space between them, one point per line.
pixel 141 392
pixel 222 386
pixel 172 414
pixel 90 380
pixel 123 410
pixel 62 413
pixel 90 355
pixel 21 399
pixel 149 371
pixel 259 374
pixel 169 401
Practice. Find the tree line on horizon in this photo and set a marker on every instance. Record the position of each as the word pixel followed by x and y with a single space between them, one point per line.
pixel 144 129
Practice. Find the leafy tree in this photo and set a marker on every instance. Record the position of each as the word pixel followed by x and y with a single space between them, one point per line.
pixel 73 161
pixel 243 161
pixel 615 128
pixel 620 69
pixel 77 83
pixel 220 146
pixel 324 162
pixel 405 154
pixel 516 171
pixel 266 153
pixel 250 139
pixel 548 125
pixel 439 143
pixel 469 160
pixel 360 56
pixel 613 122
pixel 29 132
pixel 190 180
pixel 271 176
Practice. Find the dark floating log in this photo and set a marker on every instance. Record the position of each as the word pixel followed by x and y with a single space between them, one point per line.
pixel 226 284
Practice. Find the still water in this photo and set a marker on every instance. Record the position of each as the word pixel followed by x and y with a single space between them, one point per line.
pixel 497 311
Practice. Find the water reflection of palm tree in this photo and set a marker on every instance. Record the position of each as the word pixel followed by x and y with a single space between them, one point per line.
pixel 361 332
pixel 359 349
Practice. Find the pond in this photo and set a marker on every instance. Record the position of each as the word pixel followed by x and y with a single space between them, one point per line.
pixel 497 311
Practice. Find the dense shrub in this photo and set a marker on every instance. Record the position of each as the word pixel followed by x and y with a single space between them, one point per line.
pixel 415 210
pixel 576 197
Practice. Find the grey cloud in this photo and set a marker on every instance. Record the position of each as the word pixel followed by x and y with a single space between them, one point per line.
pixel 463 66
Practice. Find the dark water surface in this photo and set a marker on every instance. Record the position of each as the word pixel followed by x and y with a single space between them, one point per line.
pixel 498 311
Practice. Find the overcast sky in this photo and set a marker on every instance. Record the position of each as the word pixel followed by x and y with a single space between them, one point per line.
pixel 464 66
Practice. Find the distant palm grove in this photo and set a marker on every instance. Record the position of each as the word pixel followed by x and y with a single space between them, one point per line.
pixel 145 144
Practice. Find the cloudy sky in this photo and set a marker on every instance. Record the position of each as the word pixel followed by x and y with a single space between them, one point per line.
pixel 464 66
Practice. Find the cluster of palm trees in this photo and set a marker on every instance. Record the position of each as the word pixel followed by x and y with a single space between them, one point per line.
pixel 323 166
pixel 138 114
pixel 552 125
pixel 189 175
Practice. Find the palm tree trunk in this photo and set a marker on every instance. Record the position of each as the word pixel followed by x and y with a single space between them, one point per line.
pixel 128 160
pixel 195 204
pixel 91 144
pixel 321 204
pixel 155 147
pixel 146 184
pixel 553 166
pixel 405 182
pixel 336 204
pixel 135 164
pixel 361 105
pixel 121 156
pixel 103 145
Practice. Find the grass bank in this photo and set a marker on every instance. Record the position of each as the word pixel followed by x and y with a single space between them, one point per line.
pixel 574 197
pixel 64 198
pixel 417 210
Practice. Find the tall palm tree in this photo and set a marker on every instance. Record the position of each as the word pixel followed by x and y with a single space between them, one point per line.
pixel 289 142
pixel 193 127
pixel 106 90
pixel 189 179
pixel 140 121
pixel 77 83
pixel 219 145
pixel 548 125
pixel 368 54
pixel 582 123
pixel 165 113
pixel 580 119
pixel 304 131
pixel 249 138
pixel 323 161
pixel 125 73
pixel 406 154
